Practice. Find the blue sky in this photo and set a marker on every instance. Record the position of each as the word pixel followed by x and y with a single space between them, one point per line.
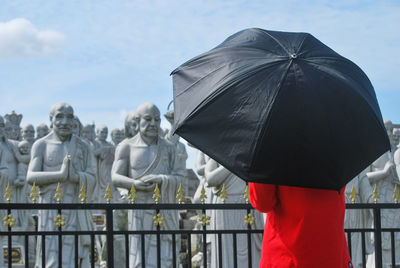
pixel 107 57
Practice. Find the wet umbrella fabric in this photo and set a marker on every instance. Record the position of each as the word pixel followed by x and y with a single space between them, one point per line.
pixel 280 108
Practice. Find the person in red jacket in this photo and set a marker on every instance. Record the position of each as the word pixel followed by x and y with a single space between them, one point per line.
pixel 304 228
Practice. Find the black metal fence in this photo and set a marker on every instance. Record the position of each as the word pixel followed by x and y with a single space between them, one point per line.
pixel 110 233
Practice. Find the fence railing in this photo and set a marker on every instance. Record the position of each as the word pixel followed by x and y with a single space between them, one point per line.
pixel 109 231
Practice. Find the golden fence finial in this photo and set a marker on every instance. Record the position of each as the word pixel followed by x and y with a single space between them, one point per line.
pixel 34 195
pixel 396 194
pixel 375 194
pixel 9 221
pixel 82 194
pixel 132 194
pixel 59 220
pixel 204 219
pixel 158 220
pixel 58 195
pixel 246 195
pixel 223 194
pixel 157 194
pixel 249 219
pixel 8 195
pixel 353 194
pixel 203 195
pixel 108 194
pixel 180 196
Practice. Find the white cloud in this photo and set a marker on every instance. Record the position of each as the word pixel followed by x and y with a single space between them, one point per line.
pixel 19 37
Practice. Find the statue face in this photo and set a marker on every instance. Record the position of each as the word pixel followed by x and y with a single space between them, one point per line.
pixel 102 133
pixel 149 124
pixel 62 121
pixel 41 132
pixel 87 133
pixel 12 131
pixel 24 149
pixel 28 133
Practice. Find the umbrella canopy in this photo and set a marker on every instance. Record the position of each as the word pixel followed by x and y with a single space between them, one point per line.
pixel 280 108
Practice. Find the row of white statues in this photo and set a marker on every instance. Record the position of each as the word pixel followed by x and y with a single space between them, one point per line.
pixel 69 155
pixel 144 155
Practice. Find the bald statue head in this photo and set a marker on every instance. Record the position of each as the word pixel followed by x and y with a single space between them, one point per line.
pixel 149 122
pixel 42 130
pixel 102 132
pixel 28 133
pixel 62 119
pixel 131 124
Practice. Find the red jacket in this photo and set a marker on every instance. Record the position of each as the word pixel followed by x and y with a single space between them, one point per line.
pixel 304 227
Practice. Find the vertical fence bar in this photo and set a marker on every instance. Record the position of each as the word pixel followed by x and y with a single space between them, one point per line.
pixel 92 259
pixel 234 250
pixel 110 237
pixel 143 251
pixel 59 243
pixel 349 242
pixel 189 248
pixel 378 237
pixel 393 249
pixel 250 259
pixel 43 251
pixel 26 250
pixel 204 242
pixel 76 259
pixel 363 250
pixel 219 250
pixel 158 242
pixel 9 256
pixel 173 251
pixel 126 250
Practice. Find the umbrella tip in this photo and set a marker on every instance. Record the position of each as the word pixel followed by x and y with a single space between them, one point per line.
pixel 293 56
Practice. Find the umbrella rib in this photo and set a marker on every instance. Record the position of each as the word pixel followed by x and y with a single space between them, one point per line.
pixel 264 129
pixel 276 40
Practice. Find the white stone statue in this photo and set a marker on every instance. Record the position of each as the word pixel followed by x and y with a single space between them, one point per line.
pixel 145 160
pixel 359 218
pixel 104 154
pixel 88 134
pixel 12 126
pixel 383 173
pixel 217 176
pixel 131 124
pixel 117 135
pixel 181 154
pixel 76 126
pixel 41 130
pixel 63 158
pixel 28 133
pixel 396 137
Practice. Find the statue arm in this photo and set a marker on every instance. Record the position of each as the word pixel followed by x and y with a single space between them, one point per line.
pixel 215 174
pixel 200 163
pixel 378 175
pixel 35 169
pixel 120 168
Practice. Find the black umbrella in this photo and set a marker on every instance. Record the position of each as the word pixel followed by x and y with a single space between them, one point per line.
pixel 280 108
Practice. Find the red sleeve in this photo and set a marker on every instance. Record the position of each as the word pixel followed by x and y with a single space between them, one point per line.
pixel 263 196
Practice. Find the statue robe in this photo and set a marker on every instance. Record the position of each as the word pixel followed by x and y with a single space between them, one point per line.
pixel 82 160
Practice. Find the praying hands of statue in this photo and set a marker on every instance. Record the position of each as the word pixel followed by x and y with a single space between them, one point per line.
pixel 152 178
pixel 144 186
pixel 73 175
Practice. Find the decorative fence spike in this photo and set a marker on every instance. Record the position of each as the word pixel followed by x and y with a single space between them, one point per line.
pixel 223 194
pixel 132 194
pixel 9 221
pixel 59 221
pixel 108 194
pixel 353 194
pixel 203 195
pixel 82 194
pixel 246 195
pixel 58 195
pixel 204 220
pixel 8 195
pixel 180 196
pixel 158 220
pixel 375 194
pixel 249 219
pixel 396 194
pixel 157 194
pixel 34 195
